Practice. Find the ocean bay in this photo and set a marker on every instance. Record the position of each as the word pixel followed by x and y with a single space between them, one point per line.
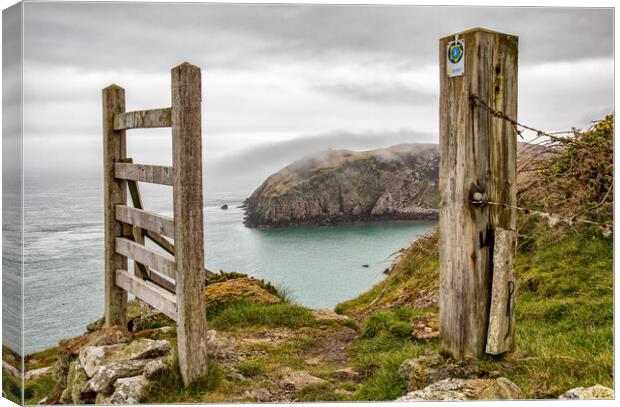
pixel 318 266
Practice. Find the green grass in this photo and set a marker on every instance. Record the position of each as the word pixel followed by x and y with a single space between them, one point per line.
pixel 167 386
pixel 396 322
pixel 40 359
pixel 564 312
pixel 248 313
pixel 383 346
pixel 37 389
pixel 320 392
pixel 251 368
pixel 12 387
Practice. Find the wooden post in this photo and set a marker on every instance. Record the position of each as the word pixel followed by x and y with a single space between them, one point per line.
pixel 477 162
pixel 188 221
pixel 115 192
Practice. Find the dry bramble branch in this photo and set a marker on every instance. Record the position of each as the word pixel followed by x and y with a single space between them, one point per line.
pixel 566 177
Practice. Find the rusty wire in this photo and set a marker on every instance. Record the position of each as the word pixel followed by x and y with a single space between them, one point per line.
pixel 476 100
pixel 550 145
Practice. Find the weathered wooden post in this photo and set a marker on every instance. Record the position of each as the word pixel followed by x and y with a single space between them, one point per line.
pixel 115 192
pixel 477 163
pixel 188 227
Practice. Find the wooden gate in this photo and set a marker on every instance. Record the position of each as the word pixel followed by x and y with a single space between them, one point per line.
pixel 173 283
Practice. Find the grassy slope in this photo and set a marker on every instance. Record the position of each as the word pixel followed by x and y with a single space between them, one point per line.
pixel 564 333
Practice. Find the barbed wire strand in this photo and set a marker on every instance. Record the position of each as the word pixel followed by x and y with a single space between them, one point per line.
pixel 550 146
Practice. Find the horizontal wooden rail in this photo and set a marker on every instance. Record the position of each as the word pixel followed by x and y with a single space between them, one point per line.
pixel 146 256
pixel 155 174
pixel 148 292
pixel 142 119
pixel 154 222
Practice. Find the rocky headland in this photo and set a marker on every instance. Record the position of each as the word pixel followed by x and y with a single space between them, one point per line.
pixel 336 186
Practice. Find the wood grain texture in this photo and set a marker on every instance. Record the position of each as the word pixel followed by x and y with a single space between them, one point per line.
pixel 500 337
pixel 146 256
pixel 115 193
pixel 148 292
pixel 154 174
pixel 137 234
pixel 161 241
pixel 188 221
pixel 143 119
pixel 477 153
pixel 150 221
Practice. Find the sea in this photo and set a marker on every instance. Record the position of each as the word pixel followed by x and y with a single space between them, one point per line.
pixel 318 266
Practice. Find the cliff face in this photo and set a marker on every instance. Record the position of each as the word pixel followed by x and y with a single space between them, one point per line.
pixel 398 182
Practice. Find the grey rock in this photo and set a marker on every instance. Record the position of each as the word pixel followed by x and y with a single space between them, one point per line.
pixel 129 390
pixel 156 366
pixel 300 379
pixel 588 393
pixel 77 391
pixel 36 373
pixel 219 345
pixel 102 381
pixel 92 358
pixel 257 395
pixel 466 389
pixel 424 370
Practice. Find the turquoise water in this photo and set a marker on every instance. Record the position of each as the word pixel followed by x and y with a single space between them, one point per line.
pixel 63 277
pixel 318 266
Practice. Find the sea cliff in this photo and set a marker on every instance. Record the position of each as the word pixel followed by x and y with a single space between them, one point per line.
pixel 336 186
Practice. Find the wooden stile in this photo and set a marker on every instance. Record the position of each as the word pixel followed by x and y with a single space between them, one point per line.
pixel 477 157
pixel 150 293
pixel 115 193
pixel 154 174
pixel 143 119
pixel 140 270
pixel 150 221
pixel 161 241
pixel 146 256
pixel 175 286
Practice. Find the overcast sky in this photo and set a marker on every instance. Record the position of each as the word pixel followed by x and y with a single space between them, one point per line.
pixel 285 80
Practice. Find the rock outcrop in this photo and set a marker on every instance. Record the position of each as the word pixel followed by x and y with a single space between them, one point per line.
pixel 106 366
pixel 595 392
pixel 466 389
pixel 399 182
pixel 425 370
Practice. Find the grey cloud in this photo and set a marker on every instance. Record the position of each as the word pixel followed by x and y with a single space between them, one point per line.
pixel 233 36
pixel 261 161
pixel 380 93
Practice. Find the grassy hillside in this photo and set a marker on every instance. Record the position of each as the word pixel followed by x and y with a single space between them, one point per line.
pixel 564 312
pixel 564 303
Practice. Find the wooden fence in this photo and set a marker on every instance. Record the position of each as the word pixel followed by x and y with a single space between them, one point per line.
pixel 172 283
